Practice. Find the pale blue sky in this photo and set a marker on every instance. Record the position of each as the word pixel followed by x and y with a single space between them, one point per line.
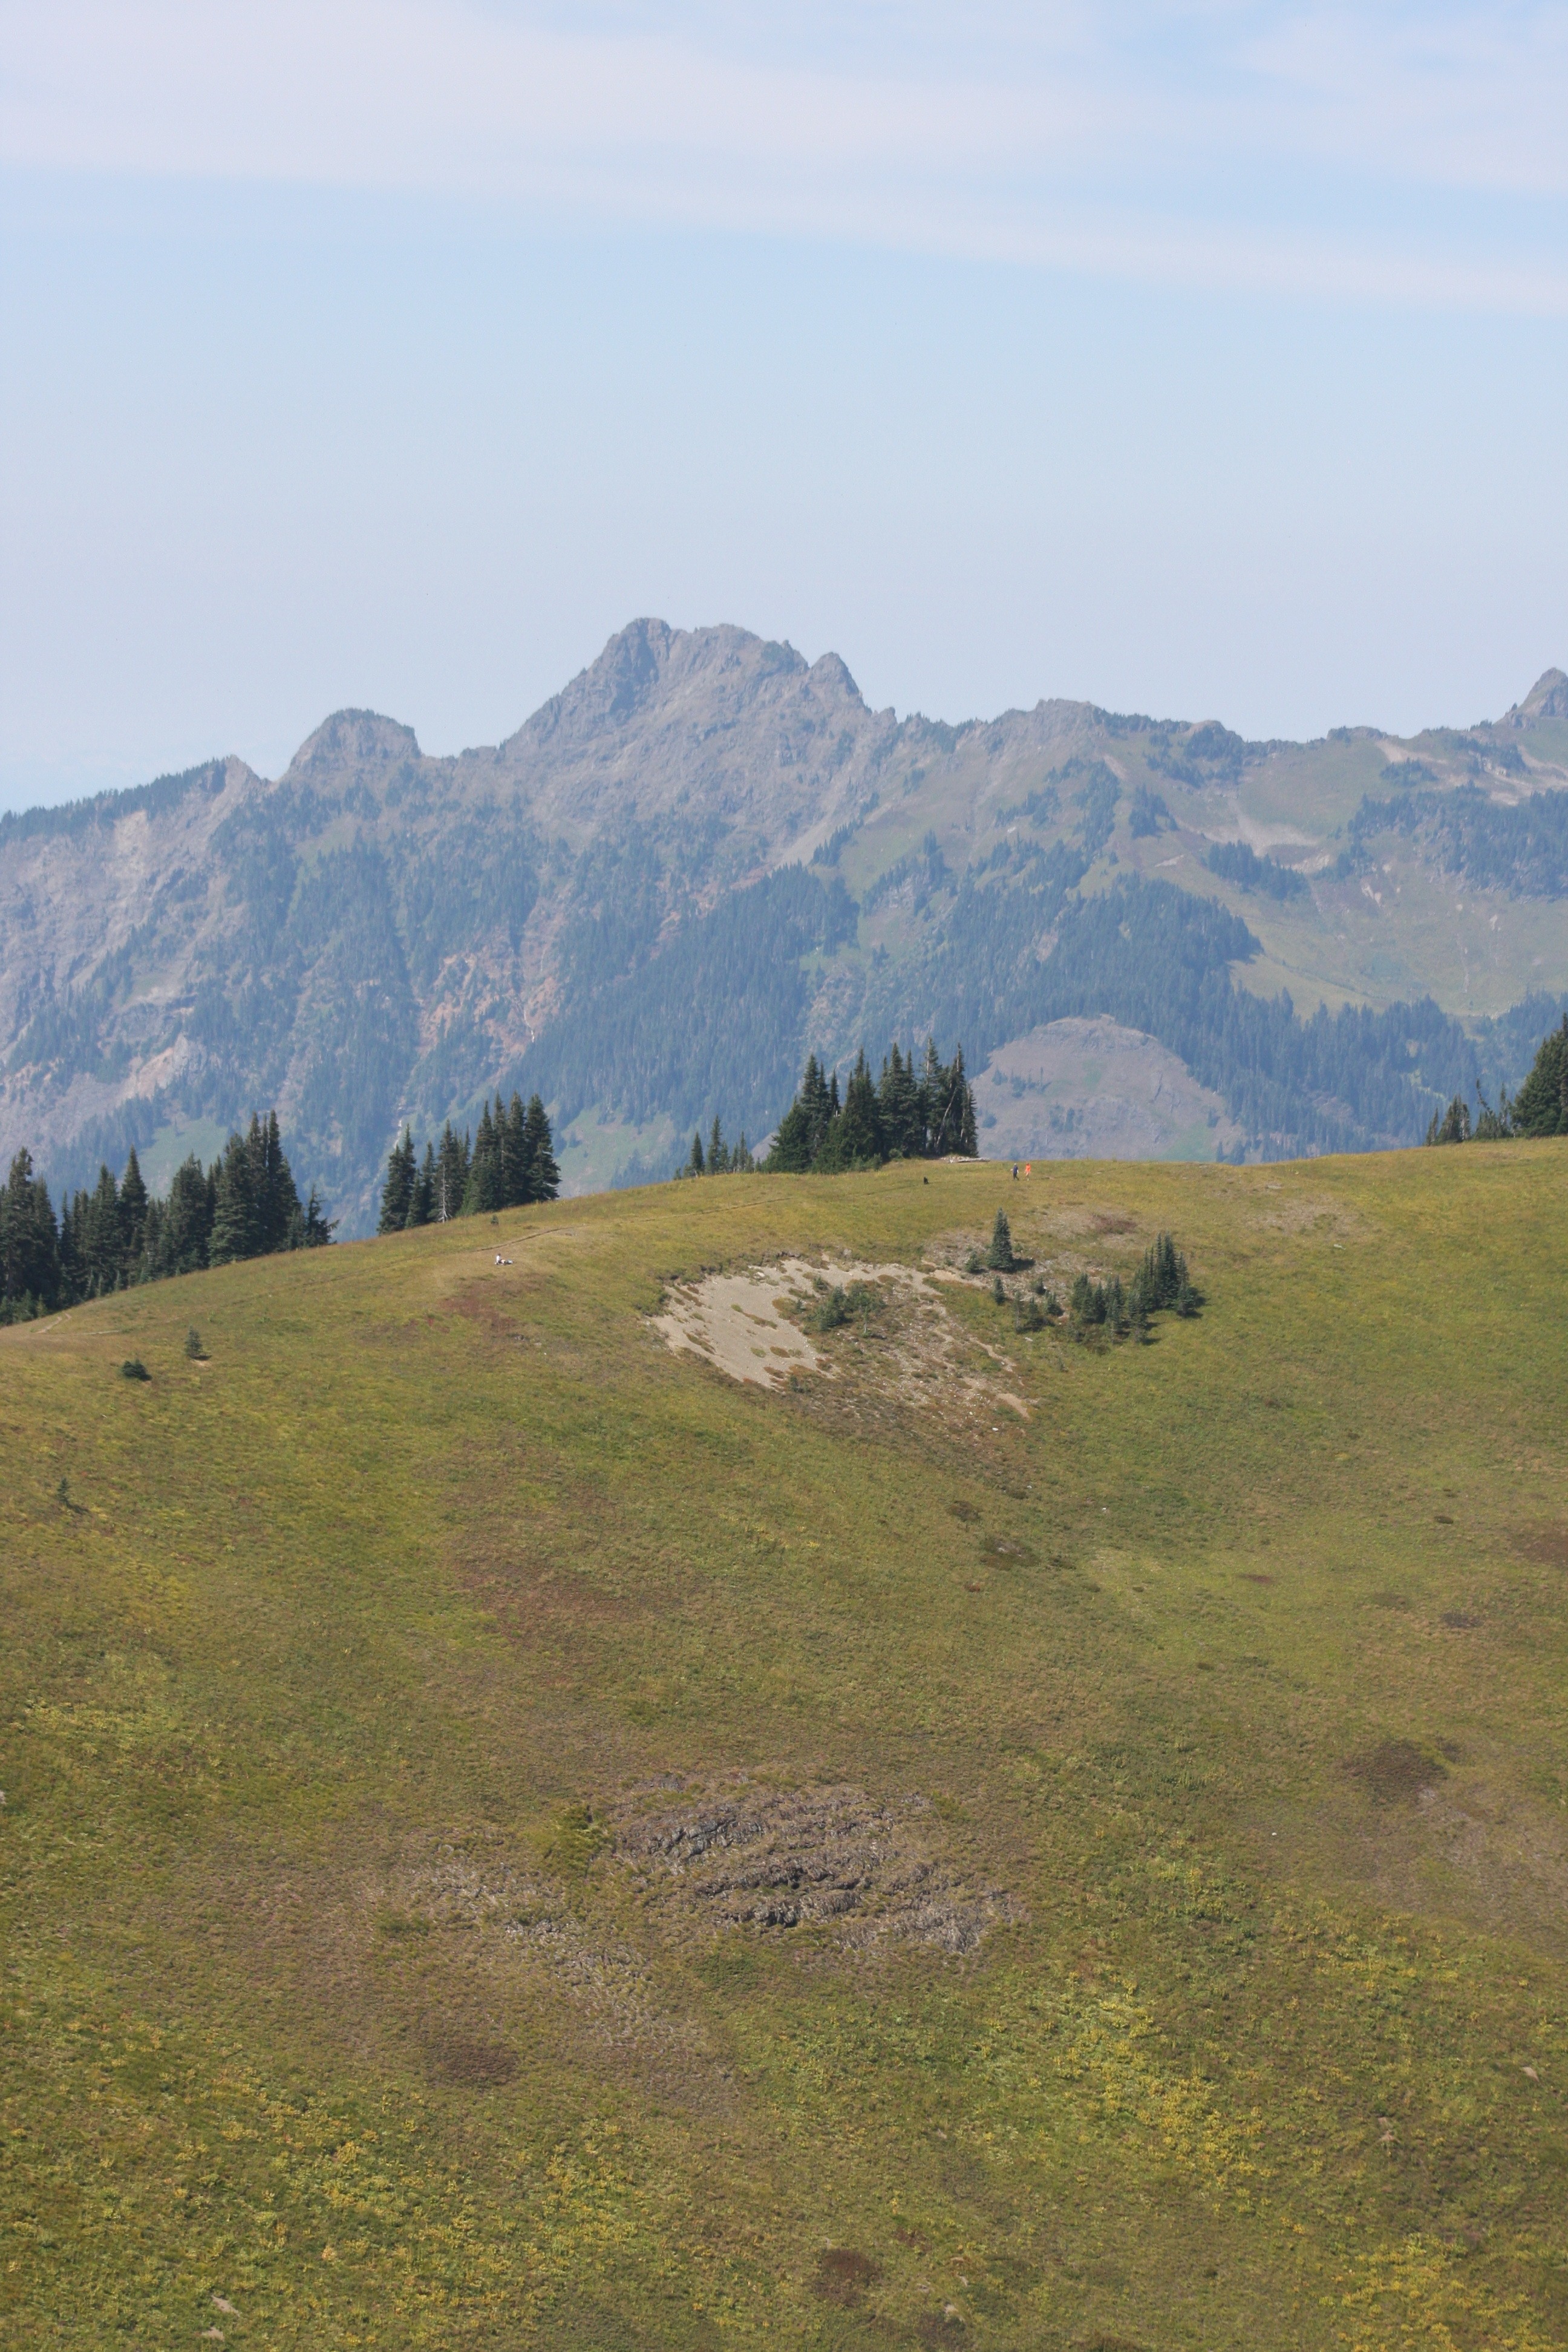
pixel 1203 360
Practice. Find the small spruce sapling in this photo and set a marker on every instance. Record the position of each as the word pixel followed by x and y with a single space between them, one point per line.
pixel 134 1369
pixel 193 1348
pixel 999 1291
pixel 1000 1253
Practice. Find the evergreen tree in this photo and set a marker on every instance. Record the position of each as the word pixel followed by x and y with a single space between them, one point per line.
pixel 517 1154
pixel 422 1200
pixel 932 1096
pixel 1494 1126
pixel 397 1192
pixel 949 1106
pixel 718 1156
pixel 1541 1106
pixel 791 1151
pixel 1000 1253
pixel 100 1245
pixel 544 1176
pixel 132 1218
pixel 854 1138
pixel 314 1229
pixel 697 1163
pixel 894 1117
pixel 185 1233
pixel 237 1226
pixel 483 1194
pixel 280 1210
pixel 899 1109
pixel 30 1243
pixel 69 1265
pixel 451 1173
pixel 1452 1126
pixel 819 1101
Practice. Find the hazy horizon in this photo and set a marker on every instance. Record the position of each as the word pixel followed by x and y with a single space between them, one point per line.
pixel 1205 362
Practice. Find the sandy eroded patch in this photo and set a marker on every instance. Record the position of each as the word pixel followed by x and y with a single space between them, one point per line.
pixel 740 1322
pixel 743 1324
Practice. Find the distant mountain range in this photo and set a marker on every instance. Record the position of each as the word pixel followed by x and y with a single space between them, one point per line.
pixel 706 855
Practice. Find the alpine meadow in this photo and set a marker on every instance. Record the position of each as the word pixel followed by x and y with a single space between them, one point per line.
pixel 784 1177
pixel 716 1765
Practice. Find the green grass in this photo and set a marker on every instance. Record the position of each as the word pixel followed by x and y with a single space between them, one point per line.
pixel 1240 1667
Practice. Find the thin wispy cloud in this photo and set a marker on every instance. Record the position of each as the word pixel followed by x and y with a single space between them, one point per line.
pixel 1398 152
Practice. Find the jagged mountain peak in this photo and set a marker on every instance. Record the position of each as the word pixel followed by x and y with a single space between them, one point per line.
pixel 648 665
pixel 715 720
pixel 351 741
pixel 1547 698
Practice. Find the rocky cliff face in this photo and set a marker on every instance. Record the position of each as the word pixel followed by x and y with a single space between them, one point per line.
pixel 702 855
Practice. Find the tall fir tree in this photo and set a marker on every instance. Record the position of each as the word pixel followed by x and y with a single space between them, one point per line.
pixel 29 1242
pixel 484 1193
pixel 237 1212
pixel 99 1241
pixel 1541 1106
pixel 544 1175
pixel 517 1155
pixel 854 1138
pixel 278 1200
pixel 312 1229
pixel 132 1218
pixel 451 1173
pixel 899 1108
pixel 791 1152
pixel 397 1192
pixel 422 1199
pixel 185 1227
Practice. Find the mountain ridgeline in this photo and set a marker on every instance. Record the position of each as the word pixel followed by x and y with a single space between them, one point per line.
pixel 707 858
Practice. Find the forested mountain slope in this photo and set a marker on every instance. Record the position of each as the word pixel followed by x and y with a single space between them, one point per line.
pixel 705 857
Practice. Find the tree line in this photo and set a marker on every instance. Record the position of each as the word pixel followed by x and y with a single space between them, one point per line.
pixel 245 1205
pixel 1540 1107
pixel 509 1163
pixel 899 1115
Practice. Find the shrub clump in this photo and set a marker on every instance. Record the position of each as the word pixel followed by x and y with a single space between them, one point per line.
pixel 134 1369
pixel 831 1312
pixel 1115 1311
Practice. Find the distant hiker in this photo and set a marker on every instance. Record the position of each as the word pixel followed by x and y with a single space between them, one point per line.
pixel 1014 1172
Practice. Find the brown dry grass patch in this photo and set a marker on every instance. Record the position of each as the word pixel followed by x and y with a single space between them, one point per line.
pixel 741 1854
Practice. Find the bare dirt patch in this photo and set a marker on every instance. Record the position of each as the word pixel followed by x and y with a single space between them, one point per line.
pixel 897 1344
pixel 744 1855
pixel 744 1323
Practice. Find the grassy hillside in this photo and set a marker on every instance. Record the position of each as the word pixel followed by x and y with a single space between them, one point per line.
pixel 1198 1734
